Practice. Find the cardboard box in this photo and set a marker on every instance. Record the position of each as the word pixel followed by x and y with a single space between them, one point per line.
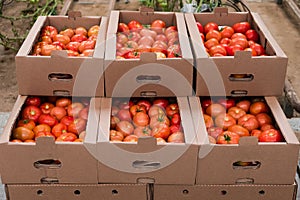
pixel 47 161
pixel 276 161
pixel 60 74
pixel 78 191
pixel 265 75
pixel 147 161
pixel 148 76
pixel 226 192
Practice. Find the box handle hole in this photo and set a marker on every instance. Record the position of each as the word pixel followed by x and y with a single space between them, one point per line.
pixel 48 163
pixel 77 192
pixel 114 192
pixel 148 94
pixel 49 180
pixel 185 192
pixel 39 192
pixel 148 79
pixel 146 164
pixel 241 77
pixel 239 93
pixel 60 77
pixel 246 165
pixel 244 181
pixel 61 93
pixel 261 192
pixel 223 192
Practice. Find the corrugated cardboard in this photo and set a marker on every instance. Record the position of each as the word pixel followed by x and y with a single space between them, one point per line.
pixel 76 191
pixel 225 192
pixel 148 76
pixel 278 160
pixel 146 161
pixel 77 76
pixel 77 162
pixel 213 73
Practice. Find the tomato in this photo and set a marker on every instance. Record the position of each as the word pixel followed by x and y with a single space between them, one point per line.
pixel 263 118
pixel 249 122
pixel 126 104
pixel 125 127
pixel 253 52
pixel 224 120
pixel 67 120
pixel 78 38
pixel 171 109
pixel 133 54
pixel 161 102
pixel 266 127
pixel 160 141
pixel 175 128
pixel 72 53
pixel 252 34
pixel 209 122
pixel 88 44
pixel 74 109
pixel 148 32
pixel 27 123
pixel 123 28
pixel 241 27
pixel 159 119
pixel 80 31
pixel 141 119
pixel 66 137
pixel 236 112
pixel 162 130
pixel 146 40
pixel 256 133
pixel 130 138
pixel 63 102
pixel 228 137
pixel 49 31
pixel 174 51
pixel 16 141
pixel 238 35
pixel 232 49
pixel 175 119
pixel 159 46
pixel 214 131
pixel 170 29
pixel 271 135
pixel 84 113
pixel 58 112
pixel 48 48
pixel 258 107
pixel 31 112
pixel 258 48
pixel 142 131
pixel 47 39
pixel 213 34
pixel 61 38
pixel 160 55
pixel 244 104
pixel 177 137
pixel 59 129
pixel 200 27
pixel 211 42
pixel 115 136
pixel 113 122
pixel 144 102
pixel 215 109
pixel 144 48
pixel 87 53
pixel 23 133
pixel 172 36
pixel 205 103
pixel 135 26
pixel 124 115
pixel 239 130
pixel 158 25
pixel 41 127
pixel 137 108
pixel 156 110
pixel 77 126
pixel 227 103
pixel 210 26
pixel 239 41
pixel 134 36
pixel 131 44
pixel 59 44
pixel 94 30
pixel 217 49
pixel 47 119
pixel 226 32
pixel 67 32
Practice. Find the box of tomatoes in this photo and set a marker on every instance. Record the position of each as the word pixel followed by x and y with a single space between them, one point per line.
pixel 50 139
pixel 235 54
pixel 245 140
pixel 150 52
pixel 146 140
pixel 63 55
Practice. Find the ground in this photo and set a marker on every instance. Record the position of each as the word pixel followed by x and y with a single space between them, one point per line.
pixel 9 88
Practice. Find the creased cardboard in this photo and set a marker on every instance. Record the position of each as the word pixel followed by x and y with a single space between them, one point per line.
pixel 159 77
pixel 146 161
pixel 265 74
pixel 277 161
pixel 67 162
pixel 59 74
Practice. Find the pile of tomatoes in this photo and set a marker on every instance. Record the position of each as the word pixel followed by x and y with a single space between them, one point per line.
pixel 57 117
pixel 134 118
pixel 226 40
pixel 227 120
pixel 134 38
pixel 77 42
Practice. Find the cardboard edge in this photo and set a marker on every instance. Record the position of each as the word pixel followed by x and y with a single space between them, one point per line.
pixel 104 122
pixel 93 121
pixel 113 22
pixel 101 39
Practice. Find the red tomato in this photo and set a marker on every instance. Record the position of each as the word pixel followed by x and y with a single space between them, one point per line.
pixel 115 136
pixel 228 137
pixel 59 129
pixel 161 131
pixel 47 119
pixel 67 120
pixel 256 133
pixel 44 134
pixel 258 48
pixel 177 137
pixel 159 119
pixel 66 137
pixel 170 29
pixel 74 109
pixel 47 39
pixel 124 115
pixel 175 119
pixel 58 112
pixel 94 30
pixel 49 31
pixel 263 118
pixel 67 32
pixel 23 133
pixel 137 108
pixel 270 135
pixel 141 119
pixel 158 25
pixel 210 26
pixel 233 48
pixel 224 121
pixel 200 27
pixel 113 122
pixel 63 102
pixel 73 46
pixel 244 104
pixel 48 48
pixel 144 102
pixel 125 127
pixel 266 127
pixel 31 112
pixel 27 123
pixel 134 25
pixel 214 131
pixel 161 102
pixel 88 44
pixel 146 40
pixel 78 38
pixel 171 109
pixel 227 103
pixel 217 49
pixel 252 34
pixel 142 131
pixel 215 109
pixel 41 127
pixel 213 34
pixel 130 138
pixel 241 27
pixel 258 107
pixel 236 112
pixel 175 128
pixel 123 28
pixel 133 55
pixel 33 101
pixel 205 103
pixel 211 42
pixel 239 41
pixel 239 130
pixel 134 36
pixel 80 31
pixel 249 122
pixel 174 51
pixel 148 32
pixel 253 52
pixel 61 38
pixel 226 32
pixel 238 35
pixel 77 126
pixel 161 37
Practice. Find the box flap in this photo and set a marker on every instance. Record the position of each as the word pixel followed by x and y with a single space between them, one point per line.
pixel 74 14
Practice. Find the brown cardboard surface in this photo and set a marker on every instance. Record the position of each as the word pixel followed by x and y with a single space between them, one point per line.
pixel 278 161
pixel 214 72
pixel 226 192
pixel 17 159
pixel 86 72
pixel 146 161
pixel 175 75
pixel 76 191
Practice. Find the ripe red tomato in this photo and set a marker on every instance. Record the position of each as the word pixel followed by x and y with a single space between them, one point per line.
pixel 47 119
pixel 77 126
pixel 271 135
pixel 137 108
pixel 59 129
pixel 175 119
pixel 66 137
pixel 249 122
pixel 256 133
pixel 214 131
pixel 144 102
pixel 27 123
pixel 236 112
pixel 244 104
pixel 239 130
pixel 63 102
pixel 44 134
pixel 78 38
pixel 205 103
pixel 133 54
pixel 228 137
pixel 177 137
pixel 213 34
pixel 253 52
pixel 170 29
pixel 131 138
pixel 227 102
pixel 224 120
pixel 115 136
pixel 49 31
pixel 210 26
pixel 171 109
pixel 158 25
pixel 161 131
pixel 258 107
pixel 217 50
pixel 200 27
pixel 238 35
pixel 74 109
pixel 41 127
pixel 135 26
pixel 215 109
pixel 258 48
pixel 123 28
pixel 231 49
pixel 67 32
pixel 226 32
pixel 239 41
pixel 225 41
pixel 125 127
pixel 88 44
pixel 31 112
pixel 80 31
pixel 241 27
pixel 263 118
pixel 211 42
pixel 48 48
pixel 174 51
pixel 61 38
pixel 252 35
pixel 141 119
pixel 73 46
pixel 175 128
pixel 33 101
